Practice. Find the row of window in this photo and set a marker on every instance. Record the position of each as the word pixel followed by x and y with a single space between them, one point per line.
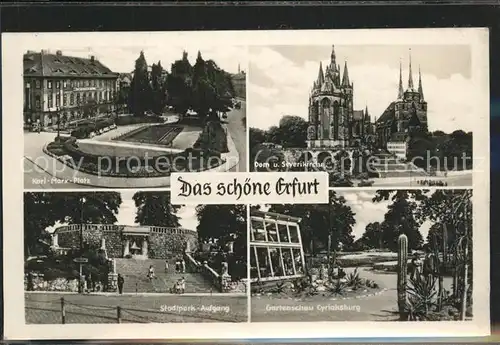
pixel 79 99
pixel 56 84
pixel 409 106
pixel 268 262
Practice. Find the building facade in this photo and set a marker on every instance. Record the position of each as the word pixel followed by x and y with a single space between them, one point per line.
pixel 276 251
pixel 239 83
pixel 407 114
pixel 333 122
pixel 59 86
pixel 127 241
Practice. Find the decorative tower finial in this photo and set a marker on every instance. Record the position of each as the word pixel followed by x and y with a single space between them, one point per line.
pixel 345 77
pixel 332 56
pixel 410 76
pixel 321 76
pixel 420 89
pixel 400 90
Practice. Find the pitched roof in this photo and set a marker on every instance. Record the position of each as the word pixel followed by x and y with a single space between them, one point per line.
pixel 54 65
pixel 388 114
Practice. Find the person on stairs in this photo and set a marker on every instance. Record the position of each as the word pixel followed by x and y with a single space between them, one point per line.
pixel 121 281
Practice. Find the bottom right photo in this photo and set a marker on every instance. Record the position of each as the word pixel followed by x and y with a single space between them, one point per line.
pixel 367 255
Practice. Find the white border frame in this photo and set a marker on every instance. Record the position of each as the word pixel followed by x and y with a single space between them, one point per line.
pixel 15 44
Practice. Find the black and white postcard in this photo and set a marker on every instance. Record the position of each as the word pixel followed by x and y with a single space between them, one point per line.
pixel 246 184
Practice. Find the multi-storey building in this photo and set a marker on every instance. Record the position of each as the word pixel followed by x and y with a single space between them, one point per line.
pixel 239 83
pixel 62 86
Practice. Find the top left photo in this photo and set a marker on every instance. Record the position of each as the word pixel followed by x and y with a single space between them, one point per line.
pixel 129 116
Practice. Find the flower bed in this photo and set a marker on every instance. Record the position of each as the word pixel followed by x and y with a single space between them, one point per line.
pixel 143 164
pixel 58 284
pixel 156 134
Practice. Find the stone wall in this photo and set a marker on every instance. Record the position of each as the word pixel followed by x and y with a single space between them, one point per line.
pixel 69 239
pixel 163 246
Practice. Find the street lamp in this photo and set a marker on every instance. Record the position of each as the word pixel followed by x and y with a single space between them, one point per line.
pixel 80 261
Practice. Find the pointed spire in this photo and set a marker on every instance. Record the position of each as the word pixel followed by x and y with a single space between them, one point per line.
pixel 420 89
pixel 239 69
pixel 367 117
pixel 321 76
pixel 400 90
pixel 345 77
pixel 410 76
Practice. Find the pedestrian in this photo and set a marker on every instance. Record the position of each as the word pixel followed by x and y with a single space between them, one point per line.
pixel 415 267
pixel 177 265
pixel 151 272
pixel 121 281
pixel 88 282
pixel 166 266
pixel 183 265
pixel 31 285
pixel 183 285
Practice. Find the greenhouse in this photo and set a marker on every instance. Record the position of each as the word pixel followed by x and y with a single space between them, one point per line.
pixel 276 251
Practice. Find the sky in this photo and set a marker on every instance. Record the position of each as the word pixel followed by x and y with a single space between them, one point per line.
pixel 127 212
pixel 366 211
pixel 280 79
pixel 122 59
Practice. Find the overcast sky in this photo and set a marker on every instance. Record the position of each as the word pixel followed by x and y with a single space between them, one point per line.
pixel 280 79
pixel 122 59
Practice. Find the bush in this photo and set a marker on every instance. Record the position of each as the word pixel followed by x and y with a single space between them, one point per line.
pixel 132 120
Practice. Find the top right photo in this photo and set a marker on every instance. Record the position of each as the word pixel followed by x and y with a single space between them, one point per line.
pixel 370 115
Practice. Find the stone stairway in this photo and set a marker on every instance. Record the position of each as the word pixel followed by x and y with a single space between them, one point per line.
pixel 135 275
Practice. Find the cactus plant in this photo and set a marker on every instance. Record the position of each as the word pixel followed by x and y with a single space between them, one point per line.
pixel 402 274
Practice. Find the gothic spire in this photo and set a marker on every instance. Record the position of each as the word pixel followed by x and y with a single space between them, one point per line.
pixel 400 90
pixel 420 89
pixel 410 76
pixel 321 76
pixel 367 117
pixel 345 77
pixel 332 56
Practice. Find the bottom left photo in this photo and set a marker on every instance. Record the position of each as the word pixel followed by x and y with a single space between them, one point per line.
pixel 132 257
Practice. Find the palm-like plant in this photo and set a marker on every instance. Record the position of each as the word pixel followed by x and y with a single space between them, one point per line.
pixel 337 287
pixel 353 280
pixel 422 297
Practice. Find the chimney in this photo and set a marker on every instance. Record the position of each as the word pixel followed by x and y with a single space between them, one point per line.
pixel 58 53
pixel 92 58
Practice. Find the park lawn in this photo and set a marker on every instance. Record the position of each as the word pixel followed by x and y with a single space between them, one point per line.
pixel 43 308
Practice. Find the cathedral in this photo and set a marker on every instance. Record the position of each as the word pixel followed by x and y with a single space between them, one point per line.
pixel 405 115
pixel 332 120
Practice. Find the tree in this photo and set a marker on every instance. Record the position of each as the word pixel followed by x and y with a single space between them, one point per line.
pixel 222 224
pixel 373 236
pixel 400 217
pixel 316 224
pixel 293 131
pixel 139 99
pixel 179 84
pixel 158 88
pixel 154 208
pixel 45 209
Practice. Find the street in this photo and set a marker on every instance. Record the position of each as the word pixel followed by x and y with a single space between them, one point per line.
pixel 237 129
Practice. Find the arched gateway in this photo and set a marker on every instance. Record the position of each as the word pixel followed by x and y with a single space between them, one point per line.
pixel 119 241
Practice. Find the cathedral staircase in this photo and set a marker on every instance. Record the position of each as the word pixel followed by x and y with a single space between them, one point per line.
pixel 389 166
pixel 135 277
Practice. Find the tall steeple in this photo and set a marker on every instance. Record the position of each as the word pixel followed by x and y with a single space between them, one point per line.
pixel 367 117
pixel 333 57
pixel 321 76
pixel 345 77
pixel 420 89
pixel 410 76
pixel 400 90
